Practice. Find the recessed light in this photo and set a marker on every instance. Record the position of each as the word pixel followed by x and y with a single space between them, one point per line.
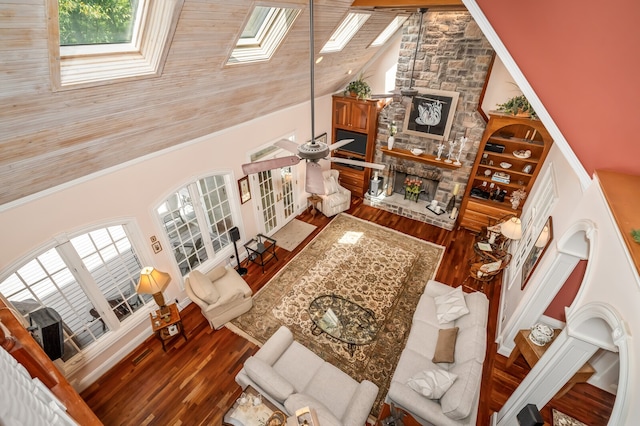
pixel 319 59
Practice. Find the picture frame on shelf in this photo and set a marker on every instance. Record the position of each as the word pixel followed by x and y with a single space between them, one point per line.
pixel 245 190
pixel 543 240
pixel 430 114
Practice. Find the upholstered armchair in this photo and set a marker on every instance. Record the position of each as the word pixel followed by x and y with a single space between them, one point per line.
pixel 336 198
pixel 221 294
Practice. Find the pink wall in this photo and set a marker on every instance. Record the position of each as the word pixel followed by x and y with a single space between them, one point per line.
pixel 582 60
pixel 567 293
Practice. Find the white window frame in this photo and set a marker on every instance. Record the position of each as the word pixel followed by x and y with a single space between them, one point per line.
pixel 342 35
pixel 213 257
pixel 272 32
pixel 390 30
pixel 73 67
pixel 117 329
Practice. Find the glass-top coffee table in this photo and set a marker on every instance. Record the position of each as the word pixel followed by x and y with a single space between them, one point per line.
pixel 343 320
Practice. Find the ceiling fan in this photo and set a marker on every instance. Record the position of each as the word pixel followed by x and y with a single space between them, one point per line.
pixel 312 152
pixel 412 91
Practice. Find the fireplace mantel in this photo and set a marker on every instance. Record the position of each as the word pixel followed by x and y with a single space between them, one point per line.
pixel 405 154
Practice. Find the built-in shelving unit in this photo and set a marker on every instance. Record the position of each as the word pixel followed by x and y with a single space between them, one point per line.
pixel 509 158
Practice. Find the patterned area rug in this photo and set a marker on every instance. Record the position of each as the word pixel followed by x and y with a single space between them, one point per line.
pixel 376 267
pixel 561 419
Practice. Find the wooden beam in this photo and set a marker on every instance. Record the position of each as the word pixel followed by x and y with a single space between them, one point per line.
pixel 410 4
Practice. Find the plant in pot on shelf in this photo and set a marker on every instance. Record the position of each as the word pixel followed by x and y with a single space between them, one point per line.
pixel 359 88
pixel 519 106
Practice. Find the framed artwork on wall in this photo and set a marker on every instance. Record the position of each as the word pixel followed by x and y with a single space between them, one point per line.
pixel 537 251
pixel 245 191
pixel 430 114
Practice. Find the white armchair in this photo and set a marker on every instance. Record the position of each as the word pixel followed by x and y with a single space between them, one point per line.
pixel 336 198
pixel 221 294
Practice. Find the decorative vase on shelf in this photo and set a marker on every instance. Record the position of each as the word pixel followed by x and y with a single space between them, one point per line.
pixel 390 142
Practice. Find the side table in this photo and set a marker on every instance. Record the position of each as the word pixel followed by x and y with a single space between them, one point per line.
pixel 166 330
pixel 532 354
pixel 248 414
pixel 261 249
pixel 313 202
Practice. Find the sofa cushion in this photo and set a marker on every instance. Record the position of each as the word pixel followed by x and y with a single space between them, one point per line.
pixel 333 387
pixel 203 288
pixel 432 383
pixel 268 379
pixel 298 365
pixel 461 397
pixel 451 306
pixel 446 345
pixel 299 400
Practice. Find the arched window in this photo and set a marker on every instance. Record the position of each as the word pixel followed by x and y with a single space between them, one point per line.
pixel 196 220
pixel 88 280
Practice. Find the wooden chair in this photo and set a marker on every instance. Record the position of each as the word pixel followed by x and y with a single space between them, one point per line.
pixel 488 267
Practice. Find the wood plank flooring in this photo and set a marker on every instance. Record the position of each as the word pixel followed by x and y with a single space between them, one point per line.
pixel 193 382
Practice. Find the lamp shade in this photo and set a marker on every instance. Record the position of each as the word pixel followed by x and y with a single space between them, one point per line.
pixel 543 238
pixel 512 228
pixel 152 281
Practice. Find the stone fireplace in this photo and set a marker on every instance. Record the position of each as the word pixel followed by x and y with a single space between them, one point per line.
pixel 430 179
pixel 453 55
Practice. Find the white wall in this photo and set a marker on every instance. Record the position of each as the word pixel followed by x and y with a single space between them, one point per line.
pixel 133 190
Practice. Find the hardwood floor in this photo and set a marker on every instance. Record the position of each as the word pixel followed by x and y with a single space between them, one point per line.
pixel 193 382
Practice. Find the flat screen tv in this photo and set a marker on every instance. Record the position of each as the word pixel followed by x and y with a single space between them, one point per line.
pixel 358 146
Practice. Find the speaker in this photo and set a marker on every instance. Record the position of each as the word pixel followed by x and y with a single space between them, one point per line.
pixel 46 329
pixel 234 233
pixel 530 416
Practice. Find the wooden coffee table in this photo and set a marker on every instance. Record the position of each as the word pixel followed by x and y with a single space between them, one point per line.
pixel 249 414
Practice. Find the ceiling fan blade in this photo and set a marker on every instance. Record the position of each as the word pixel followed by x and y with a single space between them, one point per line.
pixel 314 183
pixel 358 163
pixel 275 163
pixel 340 144
pixel 288 145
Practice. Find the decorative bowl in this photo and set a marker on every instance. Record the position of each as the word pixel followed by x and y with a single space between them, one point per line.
pixel 521 153
pixel 541 334
pixel 417 151
pixel 505 165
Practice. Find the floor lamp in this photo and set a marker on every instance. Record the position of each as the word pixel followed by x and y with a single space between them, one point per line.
pixel 235 236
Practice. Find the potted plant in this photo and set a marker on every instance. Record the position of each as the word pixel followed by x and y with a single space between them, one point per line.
pixel 358 88
pixel 518 105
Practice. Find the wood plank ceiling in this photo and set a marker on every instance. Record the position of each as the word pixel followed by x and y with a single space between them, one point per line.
pixel 49 138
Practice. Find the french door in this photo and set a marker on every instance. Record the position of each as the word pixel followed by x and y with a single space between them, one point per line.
pixel 277 189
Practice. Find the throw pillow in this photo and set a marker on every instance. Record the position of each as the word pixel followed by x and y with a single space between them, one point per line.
pixel 203 288
pixel 451 306
pixel 432 383
pixel 446 345
pixel 330 185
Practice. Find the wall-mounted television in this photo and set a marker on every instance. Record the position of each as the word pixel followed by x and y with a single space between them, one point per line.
pixel 358 146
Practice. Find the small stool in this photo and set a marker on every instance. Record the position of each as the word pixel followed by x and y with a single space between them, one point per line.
pixel 314 202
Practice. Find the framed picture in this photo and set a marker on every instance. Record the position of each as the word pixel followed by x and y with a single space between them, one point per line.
pixel 245 191
pixel 537 251
pixel 430 114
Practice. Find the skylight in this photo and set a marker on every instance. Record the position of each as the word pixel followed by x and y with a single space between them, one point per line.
pixel 345 32
pixel 94 43
pixel 263 33
pixel 389 31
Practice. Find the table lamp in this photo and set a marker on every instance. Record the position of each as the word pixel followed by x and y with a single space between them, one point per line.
pixel 154 282
pixel 511 228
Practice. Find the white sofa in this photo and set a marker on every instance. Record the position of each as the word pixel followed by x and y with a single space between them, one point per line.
pixel 459 404
pixel 221 293
pixel 293 377
pixel 336 198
